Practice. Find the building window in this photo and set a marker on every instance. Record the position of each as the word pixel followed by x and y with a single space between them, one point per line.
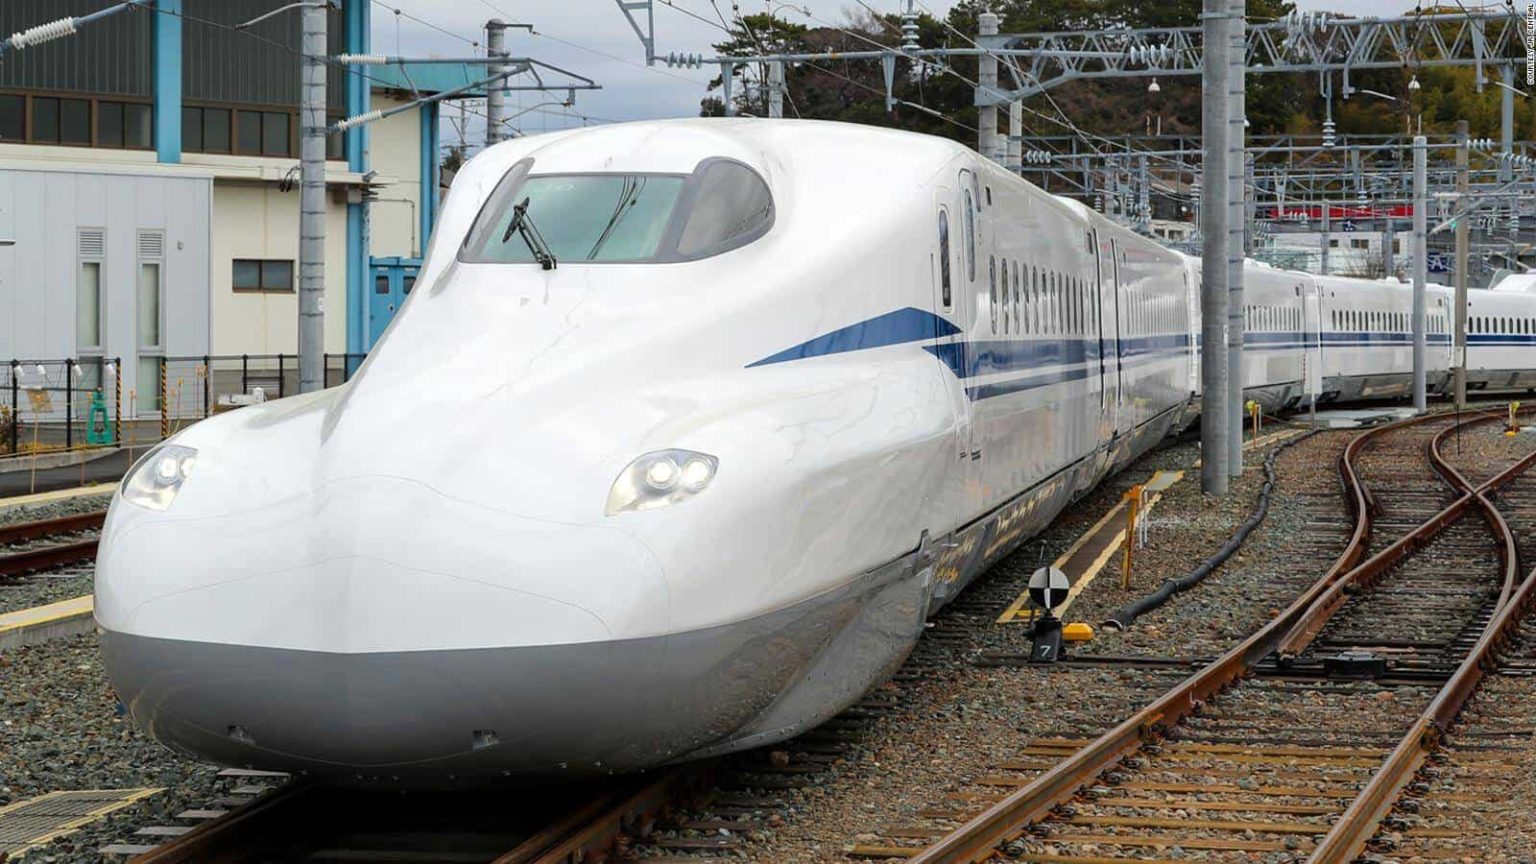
pixel 88 308
pixel 205 130
pixel 272 276
pixel 13 119
pixel 263 133
pixel 124 124
pixel 274 134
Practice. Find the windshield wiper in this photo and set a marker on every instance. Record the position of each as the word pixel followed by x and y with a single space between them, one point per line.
pixel 629 195
pixel 522 225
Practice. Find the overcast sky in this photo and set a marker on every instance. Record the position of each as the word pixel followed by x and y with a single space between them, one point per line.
pixel 592 38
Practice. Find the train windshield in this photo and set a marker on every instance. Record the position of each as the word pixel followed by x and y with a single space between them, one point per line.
pixel 616 217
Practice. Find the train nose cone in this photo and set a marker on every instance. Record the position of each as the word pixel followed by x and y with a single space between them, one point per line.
pixel 315 635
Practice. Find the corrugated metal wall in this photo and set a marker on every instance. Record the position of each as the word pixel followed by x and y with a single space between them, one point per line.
pixel 258 65
pixel 114 56
pixel 255 66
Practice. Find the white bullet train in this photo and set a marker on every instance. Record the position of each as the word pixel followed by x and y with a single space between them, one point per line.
pixel 687 429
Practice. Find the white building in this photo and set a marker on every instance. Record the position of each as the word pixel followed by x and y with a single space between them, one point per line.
pixel 148 183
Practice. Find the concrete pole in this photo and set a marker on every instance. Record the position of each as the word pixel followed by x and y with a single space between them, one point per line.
pixel 1143 193
pixel 986 126
pixel 1214 214
pixel 1327 232
pixel 1420 267
pixel 1016 133
pixel 496 94
pixel 1388 266
pixel 1237 229
pixel 1460 346
pixel 312 125
pixel 1507 123
pixel 776 89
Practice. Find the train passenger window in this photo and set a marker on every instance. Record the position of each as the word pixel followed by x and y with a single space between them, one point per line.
pixel 1002 298
pixel 992 288
pixel 944 259
pixel 970 237
pixel 1031 303
pixel 1019 319
pixel 731 206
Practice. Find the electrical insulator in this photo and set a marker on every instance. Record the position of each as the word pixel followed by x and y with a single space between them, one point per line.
pixel 1328 133
pixel 684 60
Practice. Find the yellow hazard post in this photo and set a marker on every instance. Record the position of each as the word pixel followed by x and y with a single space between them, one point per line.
pixel 1514 424
pixel 1132 510
pixel 1257 415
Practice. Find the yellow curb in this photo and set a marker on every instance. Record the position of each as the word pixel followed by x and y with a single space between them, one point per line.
pixel 59 495
pixel 40 623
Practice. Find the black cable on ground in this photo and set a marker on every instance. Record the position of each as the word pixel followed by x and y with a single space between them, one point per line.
pixel 1123 617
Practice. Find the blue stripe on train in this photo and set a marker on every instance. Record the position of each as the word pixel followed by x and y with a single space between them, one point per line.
pixel 892 328
pixel 995 356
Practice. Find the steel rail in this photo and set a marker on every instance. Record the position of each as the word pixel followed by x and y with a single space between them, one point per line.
pixel 46 557
pixel 1303 632
pixel 237 830
pixel 602 830
pixel 22 531
pixel 976 840
pixel 1350 834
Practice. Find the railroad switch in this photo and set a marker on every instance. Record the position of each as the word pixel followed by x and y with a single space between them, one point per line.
pixel 1355 665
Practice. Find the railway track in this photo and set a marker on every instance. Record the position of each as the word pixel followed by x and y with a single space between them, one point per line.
pixel 1253 757
pixel 29 547
pixel 1249 756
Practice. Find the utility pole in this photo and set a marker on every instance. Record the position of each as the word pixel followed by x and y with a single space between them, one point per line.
pixel 1016 133
pixel 1214 214
pixel 496 93
pixel 986 126
pixel 1507 123
pixel 1420 267
pixel 312 131
pixel 1459 348
pixel 1327 234
pixel 1237 229
pixel 776 89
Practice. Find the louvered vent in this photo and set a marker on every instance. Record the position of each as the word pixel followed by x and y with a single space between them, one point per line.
pixel 151 244
pixel 93 243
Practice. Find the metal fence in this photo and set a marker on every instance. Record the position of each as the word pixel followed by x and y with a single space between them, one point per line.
pixel 50 405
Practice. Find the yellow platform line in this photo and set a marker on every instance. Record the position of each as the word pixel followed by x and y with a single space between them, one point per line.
pixel 65 617
pixel 59 495
pixel 1161 481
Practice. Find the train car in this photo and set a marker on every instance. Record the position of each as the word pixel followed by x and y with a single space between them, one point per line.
pixel 1501 338
pixel 1276 336
pixel 688 423
pixel 1367 338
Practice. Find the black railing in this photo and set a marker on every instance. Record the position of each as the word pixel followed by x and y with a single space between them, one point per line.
pixel 80 401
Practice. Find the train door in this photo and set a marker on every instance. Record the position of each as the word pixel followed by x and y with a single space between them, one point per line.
pixel 1312 342
pixel 971 278
pixel 1104 326
pixel 952 302
pixel 1121 420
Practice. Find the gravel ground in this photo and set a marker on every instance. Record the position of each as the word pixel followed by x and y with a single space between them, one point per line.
pixel 1484 450
pixel 1186 527
pixel 62 584
pixel 959 721
pixel 62 731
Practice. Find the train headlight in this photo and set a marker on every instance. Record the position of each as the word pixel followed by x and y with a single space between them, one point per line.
pixel 661 478
pixel 157 478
